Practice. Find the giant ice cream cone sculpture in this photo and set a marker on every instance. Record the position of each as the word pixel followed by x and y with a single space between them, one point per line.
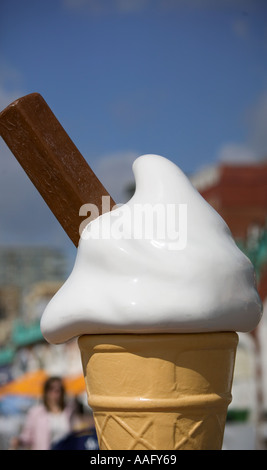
pixel 156 308
pixel 159 391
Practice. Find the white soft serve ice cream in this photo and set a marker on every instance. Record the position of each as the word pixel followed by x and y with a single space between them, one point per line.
pixel 138 273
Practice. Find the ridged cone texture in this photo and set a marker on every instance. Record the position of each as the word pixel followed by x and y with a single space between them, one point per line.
pixel 159 391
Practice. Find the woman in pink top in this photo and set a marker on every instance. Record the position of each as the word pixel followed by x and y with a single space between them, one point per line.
pixel 48 422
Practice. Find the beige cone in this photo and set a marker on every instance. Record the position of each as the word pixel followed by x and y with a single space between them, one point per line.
pixel 159 391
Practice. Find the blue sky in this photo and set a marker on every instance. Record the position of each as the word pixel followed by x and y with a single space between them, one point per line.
pixel 186 79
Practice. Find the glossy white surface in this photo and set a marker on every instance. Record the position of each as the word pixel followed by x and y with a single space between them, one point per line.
pixel 129 285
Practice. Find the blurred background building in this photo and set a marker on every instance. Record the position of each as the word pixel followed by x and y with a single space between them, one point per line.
pixel 29 278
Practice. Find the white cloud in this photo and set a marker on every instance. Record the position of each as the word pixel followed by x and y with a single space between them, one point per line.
pixel 10 85
pixel 257 123
pixel 236 153
pixel 6 97
pixel 24 216
pixel 254 148
pixel 115 173
pixel 241 28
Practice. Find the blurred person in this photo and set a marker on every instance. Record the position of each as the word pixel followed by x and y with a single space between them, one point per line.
pixel 83 417
pixel 47 422
pixel 83 435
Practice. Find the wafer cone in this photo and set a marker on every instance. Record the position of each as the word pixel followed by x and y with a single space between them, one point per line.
pixel 159 391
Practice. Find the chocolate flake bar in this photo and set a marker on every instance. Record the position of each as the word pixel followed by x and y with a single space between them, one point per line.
pixel 51 160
